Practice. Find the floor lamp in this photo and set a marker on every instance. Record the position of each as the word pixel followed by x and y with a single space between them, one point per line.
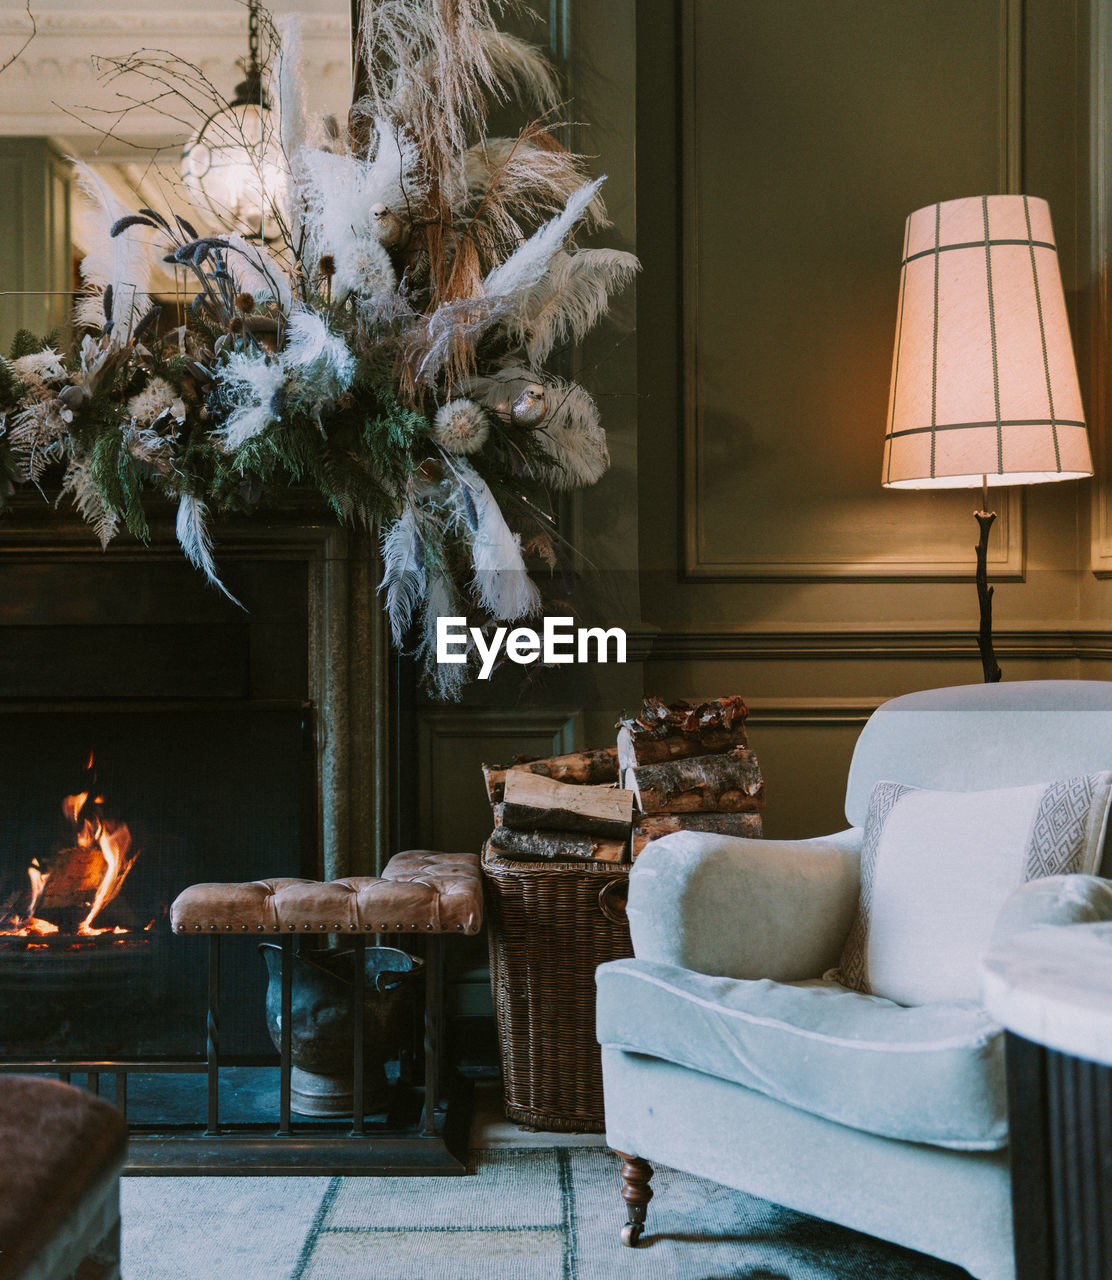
pixel 984 386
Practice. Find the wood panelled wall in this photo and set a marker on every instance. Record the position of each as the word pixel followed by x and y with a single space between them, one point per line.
pixel 780 147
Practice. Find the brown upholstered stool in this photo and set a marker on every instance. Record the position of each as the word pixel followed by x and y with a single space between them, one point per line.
pixel 419 892
pixel 61 1152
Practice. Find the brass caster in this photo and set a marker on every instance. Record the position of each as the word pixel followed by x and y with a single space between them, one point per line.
pixel 631 1233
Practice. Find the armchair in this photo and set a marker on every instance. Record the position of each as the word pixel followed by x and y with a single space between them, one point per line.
pixel 727 1053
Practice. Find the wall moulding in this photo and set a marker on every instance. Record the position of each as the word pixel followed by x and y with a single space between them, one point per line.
pixel 56 74
pixel 811 711
pixel 452 743
pixel 747 530
pixel 1100 275
pixel 1058 643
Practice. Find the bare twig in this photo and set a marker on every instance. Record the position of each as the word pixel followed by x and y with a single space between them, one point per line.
pixel 23 47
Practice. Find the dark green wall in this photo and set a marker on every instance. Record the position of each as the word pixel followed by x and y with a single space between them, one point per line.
pixel 781 144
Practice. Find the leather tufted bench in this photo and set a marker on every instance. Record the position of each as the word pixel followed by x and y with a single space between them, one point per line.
pixel 420 892
pixel 417 891
pixel 61 1153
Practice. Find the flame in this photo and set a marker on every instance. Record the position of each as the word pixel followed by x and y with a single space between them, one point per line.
pixel 114 841
pixel 38 880
pixel 95 838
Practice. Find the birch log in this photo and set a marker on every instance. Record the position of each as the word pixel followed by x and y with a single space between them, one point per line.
pixel 536 803
pixel 726 824
pixel 587 768
pixel 640 748
pixel 728 783
pixel 556 846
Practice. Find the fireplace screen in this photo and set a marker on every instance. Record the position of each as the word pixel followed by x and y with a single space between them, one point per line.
pixel 104 818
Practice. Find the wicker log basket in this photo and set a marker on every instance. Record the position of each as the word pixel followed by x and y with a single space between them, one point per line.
pixel 556 873
pixel 550 925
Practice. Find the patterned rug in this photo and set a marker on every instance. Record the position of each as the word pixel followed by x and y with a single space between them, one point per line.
pixel 549 1213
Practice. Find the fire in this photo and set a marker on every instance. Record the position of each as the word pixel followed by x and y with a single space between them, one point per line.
pixel 84 878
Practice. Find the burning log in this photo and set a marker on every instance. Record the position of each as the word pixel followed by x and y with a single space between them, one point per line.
pixel 68 889
pixel 727 783
pixel 585 768
pixel 726 824
pixel 534 802
pixel 556 846
pixel 679 731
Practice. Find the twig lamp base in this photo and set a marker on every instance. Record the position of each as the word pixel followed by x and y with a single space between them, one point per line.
pixel 984 599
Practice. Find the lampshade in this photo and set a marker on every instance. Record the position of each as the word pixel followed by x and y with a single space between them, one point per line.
pixel 984 385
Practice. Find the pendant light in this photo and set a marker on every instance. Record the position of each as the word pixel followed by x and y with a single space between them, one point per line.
pixel 233 165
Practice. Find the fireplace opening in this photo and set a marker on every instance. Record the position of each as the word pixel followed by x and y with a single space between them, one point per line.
pixel 62 905
pixel 105 816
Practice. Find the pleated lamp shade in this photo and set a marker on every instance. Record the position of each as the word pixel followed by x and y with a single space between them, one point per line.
pixel 984 384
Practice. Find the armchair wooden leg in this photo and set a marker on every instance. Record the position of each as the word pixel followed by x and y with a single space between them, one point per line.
pixel 637 1193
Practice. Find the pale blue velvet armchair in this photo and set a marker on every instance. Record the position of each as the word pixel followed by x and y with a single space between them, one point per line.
pixel 725 1054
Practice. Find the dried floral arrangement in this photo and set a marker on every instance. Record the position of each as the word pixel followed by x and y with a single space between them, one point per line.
pixel 388 347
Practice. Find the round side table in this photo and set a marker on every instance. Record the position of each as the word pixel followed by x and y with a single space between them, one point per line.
pixel 1051 989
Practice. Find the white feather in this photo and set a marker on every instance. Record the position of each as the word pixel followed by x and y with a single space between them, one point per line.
pixel 193 535
pixel 501 580
pixel 341 190
pixel 309 341
pixel 448 679
pixel 525 266
pixel 252 381
pixel 403 572
pixel 570 299
pixel 255 271
pixel 297 128
pixel 122 262
pixel 505 287
pixel 394 173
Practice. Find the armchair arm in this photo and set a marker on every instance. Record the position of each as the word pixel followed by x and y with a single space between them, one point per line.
pixel 745 908
pixel 1057 900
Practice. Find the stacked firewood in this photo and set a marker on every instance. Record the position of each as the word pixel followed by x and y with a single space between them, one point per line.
pixel 565 807
pixel 690 768
pixel 675 767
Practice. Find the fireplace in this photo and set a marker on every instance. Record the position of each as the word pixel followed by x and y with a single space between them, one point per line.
pixel 104 818
pixel 147 722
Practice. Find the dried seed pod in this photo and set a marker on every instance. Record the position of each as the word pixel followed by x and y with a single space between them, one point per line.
pixel 460 426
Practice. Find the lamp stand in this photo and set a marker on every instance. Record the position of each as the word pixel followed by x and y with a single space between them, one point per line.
pixel 984 592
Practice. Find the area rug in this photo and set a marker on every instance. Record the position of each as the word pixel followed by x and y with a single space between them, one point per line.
pixel 528 1214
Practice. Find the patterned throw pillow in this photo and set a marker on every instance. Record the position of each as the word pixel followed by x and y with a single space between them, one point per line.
pixel 936 867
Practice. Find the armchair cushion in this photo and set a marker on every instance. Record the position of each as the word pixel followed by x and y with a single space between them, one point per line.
pixel 937 866
pixel 931 1074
